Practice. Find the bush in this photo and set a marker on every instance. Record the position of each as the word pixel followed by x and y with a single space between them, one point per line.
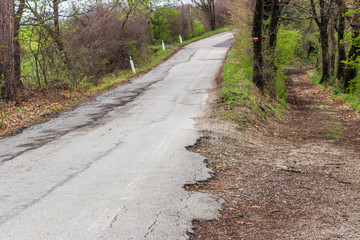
pixel 222 13
pixel 287 45
pixel 160 21
pixel 198 28
pixel 102 42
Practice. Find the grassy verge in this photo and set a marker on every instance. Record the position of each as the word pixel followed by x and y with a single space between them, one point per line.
pixel 241 99
pixel 352 99
pixel 205 35
pixel 154 60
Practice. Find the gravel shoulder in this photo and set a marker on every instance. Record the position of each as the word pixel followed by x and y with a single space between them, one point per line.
pixel 295 178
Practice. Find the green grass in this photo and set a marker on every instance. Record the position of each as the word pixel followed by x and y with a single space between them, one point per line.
pixel 279 109
pixel 238 89
pixel 321 105
pixel 333 136
pixel 111 81
pixel 154 60
pixel 236 117
pixel 27 66
pixel 315 77
pixel 352 99
pixel 335 130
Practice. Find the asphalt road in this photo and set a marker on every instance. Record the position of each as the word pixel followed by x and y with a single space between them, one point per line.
pixel 115 167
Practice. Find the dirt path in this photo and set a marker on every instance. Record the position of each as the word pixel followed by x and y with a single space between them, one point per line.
pixel 298 178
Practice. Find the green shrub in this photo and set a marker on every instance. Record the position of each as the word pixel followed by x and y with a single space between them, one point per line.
pixel 160 22
pixel 197 29
pixel 287 45
pixel 353 98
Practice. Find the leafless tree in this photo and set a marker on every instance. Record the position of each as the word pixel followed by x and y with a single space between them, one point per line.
pixel 207 6
pixel 8 81
pixel 42 16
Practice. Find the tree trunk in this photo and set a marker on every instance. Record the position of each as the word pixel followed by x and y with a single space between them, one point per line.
pixel 341 47
pixel 212 14
pixel 324 35
pixel 7 70
pixel 333 44
pixel 323 21
pixel 275 17
pixel 17 57
pixel 258 76
pixel 324 38
pixel 56 34
pixel 270 77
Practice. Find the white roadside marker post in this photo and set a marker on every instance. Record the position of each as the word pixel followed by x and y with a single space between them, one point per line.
pixel 132 65
pixel 163 44
pixel 181 41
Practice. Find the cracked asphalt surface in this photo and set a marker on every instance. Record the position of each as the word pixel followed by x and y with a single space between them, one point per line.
pixel 115 167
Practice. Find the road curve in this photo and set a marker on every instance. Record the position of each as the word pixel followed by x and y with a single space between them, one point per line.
pixel 115 167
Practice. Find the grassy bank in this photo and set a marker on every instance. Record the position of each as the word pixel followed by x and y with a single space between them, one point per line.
pixel 242 102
